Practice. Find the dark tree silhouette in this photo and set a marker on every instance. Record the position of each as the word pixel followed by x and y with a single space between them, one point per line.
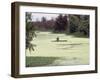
pixel 80 24
pixel 60 23
pixel 30 31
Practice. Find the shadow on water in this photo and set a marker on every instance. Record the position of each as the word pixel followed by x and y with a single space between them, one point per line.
pixel 40 61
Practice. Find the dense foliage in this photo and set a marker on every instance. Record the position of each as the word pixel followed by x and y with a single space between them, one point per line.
pixel 80 24
pixel 60 23
pixel 30 32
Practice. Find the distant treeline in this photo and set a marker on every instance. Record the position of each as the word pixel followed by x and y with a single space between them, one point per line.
pixel 69 23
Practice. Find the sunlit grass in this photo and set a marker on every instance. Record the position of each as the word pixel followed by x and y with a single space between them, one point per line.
pixel 70 50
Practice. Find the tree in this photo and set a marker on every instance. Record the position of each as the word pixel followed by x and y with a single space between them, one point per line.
pixel 74 23
pixel 84 25
pixel 65 22
pixel 60 23
pixel 30 31
pixel 79 23
pixel 43 21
